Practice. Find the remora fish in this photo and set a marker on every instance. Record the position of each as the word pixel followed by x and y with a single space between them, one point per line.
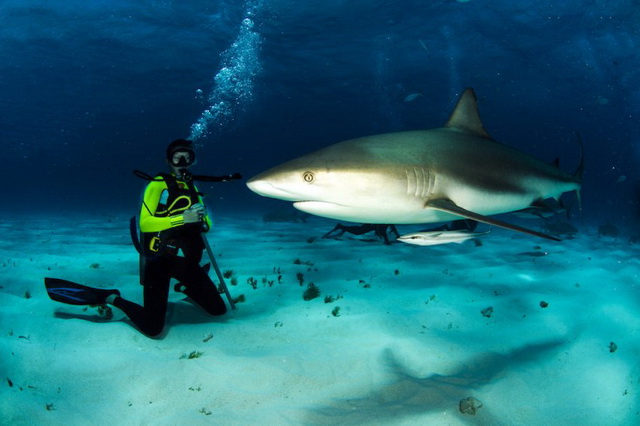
pixel 421 176
pixel 433 238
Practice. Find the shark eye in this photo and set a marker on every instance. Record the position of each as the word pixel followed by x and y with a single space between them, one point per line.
pixel 308 177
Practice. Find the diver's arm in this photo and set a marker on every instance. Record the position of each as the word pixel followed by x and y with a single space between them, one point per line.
pixel 151 199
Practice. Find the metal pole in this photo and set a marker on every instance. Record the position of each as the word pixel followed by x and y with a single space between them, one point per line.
pixel 217 269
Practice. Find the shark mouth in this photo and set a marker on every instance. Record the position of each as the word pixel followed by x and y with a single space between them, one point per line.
pixel 319 207
pixel 316 204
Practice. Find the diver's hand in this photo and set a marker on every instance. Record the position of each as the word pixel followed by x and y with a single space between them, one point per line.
pixel 194 214
pixel 191 216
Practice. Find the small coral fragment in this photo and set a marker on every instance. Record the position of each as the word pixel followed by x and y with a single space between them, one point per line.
pixel 470 406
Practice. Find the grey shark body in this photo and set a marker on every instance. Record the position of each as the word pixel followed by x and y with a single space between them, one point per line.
pixel 414 177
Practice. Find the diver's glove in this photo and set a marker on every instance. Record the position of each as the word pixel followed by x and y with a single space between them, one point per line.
pixel 194 214
pixel 235 176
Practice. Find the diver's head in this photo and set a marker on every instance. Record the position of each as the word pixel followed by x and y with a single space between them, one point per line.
pixel 180 156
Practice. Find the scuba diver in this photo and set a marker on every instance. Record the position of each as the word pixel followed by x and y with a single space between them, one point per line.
pixel 173 219
pixel 379 230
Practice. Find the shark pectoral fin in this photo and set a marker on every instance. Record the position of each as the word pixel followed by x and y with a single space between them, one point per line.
pixel 451 207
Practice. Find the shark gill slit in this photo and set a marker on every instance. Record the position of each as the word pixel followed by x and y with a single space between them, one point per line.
pixel 419 174
pixel 416 182
pixel 430 183
pixel 410 181
pixel 419 182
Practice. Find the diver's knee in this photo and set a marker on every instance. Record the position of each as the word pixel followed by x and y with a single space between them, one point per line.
pixel 153 331
pixel 153 328
pixel 217 310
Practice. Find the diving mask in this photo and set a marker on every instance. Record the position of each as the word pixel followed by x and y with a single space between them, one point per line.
pixel 182 158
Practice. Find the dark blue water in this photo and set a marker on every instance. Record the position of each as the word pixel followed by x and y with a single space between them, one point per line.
pixel 93 89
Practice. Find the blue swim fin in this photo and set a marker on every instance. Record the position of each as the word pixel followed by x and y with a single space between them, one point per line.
pixel 76 294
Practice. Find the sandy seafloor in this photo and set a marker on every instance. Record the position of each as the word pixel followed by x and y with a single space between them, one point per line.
pixel 408 343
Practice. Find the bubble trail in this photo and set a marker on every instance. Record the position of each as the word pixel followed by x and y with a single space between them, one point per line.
pixel 234 82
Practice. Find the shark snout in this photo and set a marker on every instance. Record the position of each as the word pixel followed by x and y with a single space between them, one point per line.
pixel 260 186
pixel 267 188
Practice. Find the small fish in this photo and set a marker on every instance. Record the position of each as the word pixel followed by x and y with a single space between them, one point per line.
pixel 432 238
pixel 534 253
pixel 412 97
pixel 424 46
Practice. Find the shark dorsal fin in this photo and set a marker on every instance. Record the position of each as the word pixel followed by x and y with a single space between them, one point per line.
pixel 465 115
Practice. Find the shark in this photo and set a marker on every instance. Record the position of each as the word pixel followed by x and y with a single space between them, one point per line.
pixel 420 176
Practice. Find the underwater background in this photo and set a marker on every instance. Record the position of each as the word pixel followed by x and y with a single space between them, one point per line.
pixel 94 89
pixel 527 331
